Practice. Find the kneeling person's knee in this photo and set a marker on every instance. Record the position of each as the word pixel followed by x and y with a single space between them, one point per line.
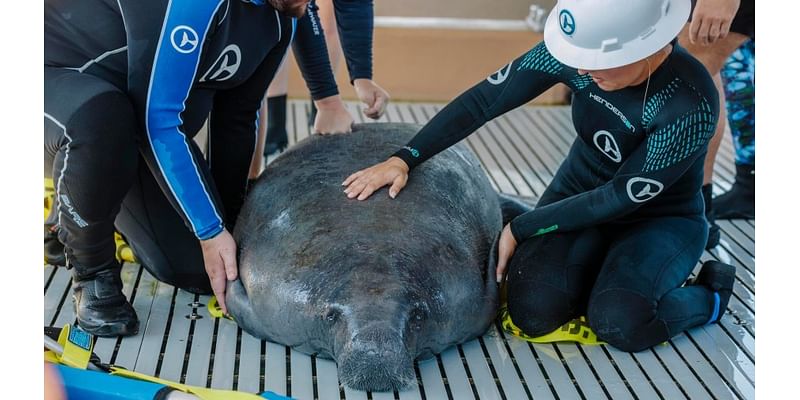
pixel 540 308
pixel 626 320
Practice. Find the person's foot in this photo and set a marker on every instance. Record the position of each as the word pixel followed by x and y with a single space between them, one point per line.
pixel 740 201
pixel 719 278
pixel 713 228
pixel 53 249
pixel 271 148
pixel 100 306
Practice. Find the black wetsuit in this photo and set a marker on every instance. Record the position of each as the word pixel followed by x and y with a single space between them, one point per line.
pixel 621 225
pixel 128 84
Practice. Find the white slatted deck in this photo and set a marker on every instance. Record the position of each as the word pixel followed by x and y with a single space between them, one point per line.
pixel 520 153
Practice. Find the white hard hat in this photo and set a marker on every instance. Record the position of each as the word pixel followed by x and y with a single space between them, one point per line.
pixel 602 34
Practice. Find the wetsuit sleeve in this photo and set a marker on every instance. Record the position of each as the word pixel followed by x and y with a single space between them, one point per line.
pixel 165 42
pixel 311 53
pixel 355 22
pixel 667 153
pixel 511 86
pixel 233 128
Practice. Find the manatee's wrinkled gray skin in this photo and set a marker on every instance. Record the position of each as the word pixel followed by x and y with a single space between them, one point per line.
pixel 372 284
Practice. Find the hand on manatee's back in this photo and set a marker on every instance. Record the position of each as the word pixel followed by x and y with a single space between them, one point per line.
pixel 332 116
pixel 363 183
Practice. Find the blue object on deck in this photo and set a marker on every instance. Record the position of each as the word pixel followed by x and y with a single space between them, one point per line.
pixel 93 385
pixel 273 396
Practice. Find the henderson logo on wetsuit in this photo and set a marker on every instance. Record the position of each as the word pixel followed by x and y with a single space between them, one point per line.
pixel 613 109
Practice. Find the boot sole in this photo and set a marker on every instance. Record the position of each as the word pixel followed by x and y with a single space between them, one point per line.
pixel 112 329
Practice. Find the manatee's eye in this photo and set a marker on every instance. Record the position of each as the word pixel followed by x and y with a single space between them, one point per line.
pixel 332 315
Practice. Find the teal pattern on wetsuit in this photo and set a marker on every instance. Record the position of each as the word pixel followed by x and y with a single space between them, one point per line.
pixel 639 151
pixel 738 75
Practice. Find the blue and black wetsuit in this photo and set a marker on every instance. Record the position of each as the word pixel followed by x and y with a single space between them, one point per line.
pixel 621 225
pixel 128 84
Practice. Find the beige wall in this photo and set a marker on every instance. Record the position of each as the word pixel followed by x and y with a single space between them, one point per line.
pixel 416 64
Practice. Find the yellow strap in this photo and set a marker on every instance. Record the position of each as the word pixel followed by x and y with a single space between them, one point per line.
pixel 51 357
pixel 576 330
pixel 77 345
pixel 215 310
pixel 203 393
pixel 124 251
pixel 49 193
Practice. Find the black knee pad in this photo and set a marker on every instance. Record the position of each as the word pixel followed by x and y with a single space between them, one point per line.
pixel 626 320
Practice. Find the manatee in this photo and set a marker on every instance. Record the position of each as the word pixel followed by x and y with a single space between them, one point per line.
pixel 371 284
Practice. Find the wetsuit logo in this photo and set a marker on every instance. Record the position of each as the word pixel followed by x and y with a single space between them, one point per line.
pixel 613 109
pixel 184 39
pixel 643 189
pixel 567 22
pixel 226 65
pixel 606 143
pixel 414 152
pixel 501 73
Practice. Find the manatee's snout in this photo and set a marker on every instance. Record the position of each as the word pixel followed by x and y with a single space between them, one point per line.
pixel 376 359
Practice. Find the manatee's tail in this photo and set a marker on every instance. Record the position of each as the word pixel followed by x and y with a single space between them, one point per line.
pixel 513 205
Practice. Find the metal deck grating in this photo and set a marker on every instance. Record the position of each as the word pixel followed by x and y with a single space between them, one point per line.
pixel 520 152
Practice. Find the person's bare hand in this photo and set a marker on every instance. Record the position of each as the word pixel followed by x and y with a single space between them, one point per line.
pixel 711 20
pixel 219 257
pixel 363 183
pixel 373 96
pixel 332 116
pixel 505 249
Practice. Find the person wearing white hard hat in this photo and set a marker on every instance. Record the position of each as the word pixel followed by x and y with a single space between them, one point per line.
pixel 621 226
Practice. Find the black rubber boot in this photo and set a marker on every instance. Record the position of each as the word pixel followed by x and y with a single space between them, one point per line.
pixel 100 306
pixel 713 228
pixel 277 139
pixel 719 278
pixel 740 201
pixel 53 248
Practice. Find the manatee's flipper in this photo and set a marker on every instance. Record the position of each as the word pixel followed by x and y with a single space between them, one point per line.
pixel 238 303
pixel 513 205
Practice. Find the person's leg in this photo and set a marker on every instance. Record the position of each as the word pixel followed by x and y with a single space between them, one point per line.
pixel 272 117
pixel 713 57
pixel 158 236
pixel 738 75
pixel 550 277
pixel 91 151
pixel 638 299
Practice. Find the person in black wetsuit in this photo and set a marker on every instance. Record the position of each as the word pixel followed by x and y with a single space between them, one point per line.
pixel 128 84
pixel 621 226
